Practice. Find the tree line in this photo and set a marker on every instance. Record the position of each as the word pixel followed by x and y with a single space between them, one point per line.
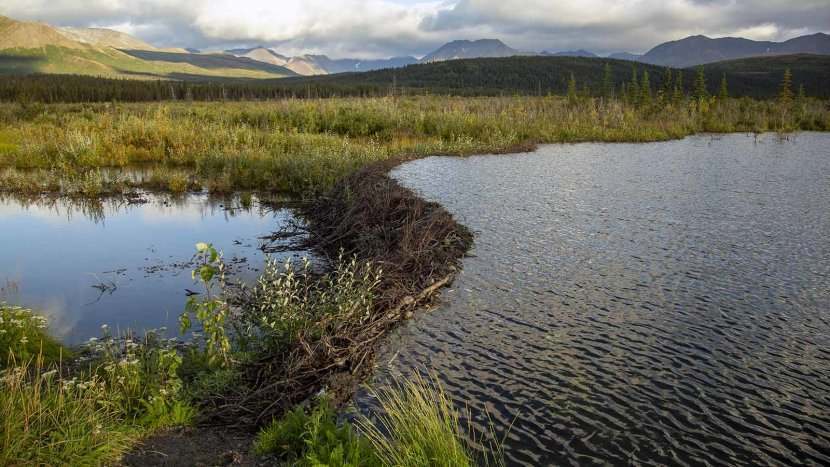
pixel 633 82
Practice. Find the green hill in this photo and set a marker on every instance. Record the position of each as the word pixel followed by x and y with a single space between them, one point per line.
pixel 29 47
pixel 761 76
pixel 756 77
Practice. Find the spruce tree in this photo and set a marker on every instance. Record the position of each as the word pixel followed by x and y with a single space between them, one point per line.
pixel 634 87
pixel 700 84
pixel 572 88
pixel 785 96
pixel 724 92
pixel 679 92
pixel 645 92
pixel 607 82
pixel 667 82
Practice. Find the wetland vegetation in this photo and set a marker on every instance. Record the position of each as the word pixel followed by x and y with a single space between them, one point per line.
pixel 272 347
pixel 302 147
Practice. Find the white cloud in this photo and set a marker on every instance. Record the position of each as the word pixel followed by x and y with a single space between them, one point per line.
pixel 373 28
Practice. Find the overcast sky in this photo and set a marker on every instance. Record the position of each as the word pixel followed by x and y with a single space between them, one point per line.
pixel 381 28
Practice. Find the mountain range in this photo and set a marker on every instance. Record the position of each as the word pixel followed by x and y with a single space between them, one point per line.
pixel 32 47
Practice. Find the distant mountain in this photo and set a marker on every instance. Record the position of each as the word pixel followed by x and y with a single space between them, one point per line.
pixel 308 65
pixel 261 54
pixel 626 56
pixel 482 48
pixel 698 50
pixel 571 53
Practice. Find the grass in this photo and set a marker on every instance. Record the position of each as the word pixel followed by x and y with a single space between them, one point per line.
pixel 302 147
pixel 23 336
pixel 87 411
pixel 46 422
pixel 417 426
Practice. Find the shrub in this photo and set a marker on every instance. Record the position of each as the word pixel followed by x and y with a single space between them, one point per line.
pixel 315 439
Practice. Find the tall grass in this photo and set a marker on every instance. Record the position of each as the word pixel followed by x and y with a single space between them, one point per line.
pixel 45 421
pixel 302 147
pixel 118 390
pixel 23 336
pixel 418 425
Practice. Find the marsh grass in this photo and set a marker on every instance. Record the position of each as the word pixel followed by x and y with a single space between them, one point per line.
pixel 23 336
pixel 301 147
pixel 88 411
pixel 46 422
pixel 418 424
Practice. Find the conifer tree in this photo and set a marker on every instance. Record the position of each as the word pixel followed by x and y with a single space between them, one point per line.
pixel 645 92
pixel 667 82
pixel 572 88
pixel 679 92
pixel 700 84
pixel 634 87
pixel 785 96
pixel 607 82
pixel 724 92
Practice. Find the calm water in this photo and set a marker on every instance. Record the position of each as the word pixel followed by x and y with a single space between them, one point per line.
pixel 654 304
pixel 121 264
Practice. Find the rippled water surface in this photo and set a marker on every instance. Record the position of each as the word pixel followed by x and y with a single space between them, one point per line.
pixel 121 262
pixel 663 303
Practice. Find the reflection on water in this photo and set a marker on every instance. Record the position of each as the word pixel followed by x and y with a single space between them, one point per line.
pixel 121 261
pixel 663 303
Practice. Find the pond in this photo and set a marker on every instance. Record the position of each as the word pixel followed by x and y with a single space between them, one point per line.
pixel 124 262
pixel 664 303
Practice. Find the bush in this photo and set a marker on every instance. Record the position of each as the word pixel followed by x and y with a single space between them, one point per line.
pixel 315 439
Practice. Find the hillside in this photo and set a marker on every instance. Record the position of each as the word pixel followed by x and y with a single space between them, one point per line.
pixel 109 62
pixel 104 38
pixel 31 35
pixel 29 47
pixel 761 76
pixel 756 77
pixel 697 50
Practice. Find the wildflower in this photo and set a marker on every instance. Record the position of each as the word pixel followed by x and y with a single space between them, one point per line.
pixel 48 374
pixel 24 340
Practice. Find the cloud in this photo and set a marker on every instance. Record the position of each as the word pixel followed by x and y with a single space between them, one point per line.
pixel 374 28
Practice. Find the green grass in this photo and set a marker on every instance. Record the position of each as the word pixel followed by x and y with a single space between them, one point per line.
pixel 314 439
pixel 23 336
pixel 86 412
pixel 418 425
pixel 303 147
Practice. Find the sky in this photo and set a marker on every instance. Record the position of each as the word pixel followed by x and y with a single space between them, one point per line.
pixel 384 28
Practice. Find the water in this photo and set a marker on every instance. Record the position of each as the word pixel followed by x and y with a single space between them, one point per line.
pixel 121 263
pixel 653 304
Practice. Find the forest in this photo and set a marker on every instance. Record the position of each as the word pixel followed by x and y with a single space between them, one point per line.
pixel 529 76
